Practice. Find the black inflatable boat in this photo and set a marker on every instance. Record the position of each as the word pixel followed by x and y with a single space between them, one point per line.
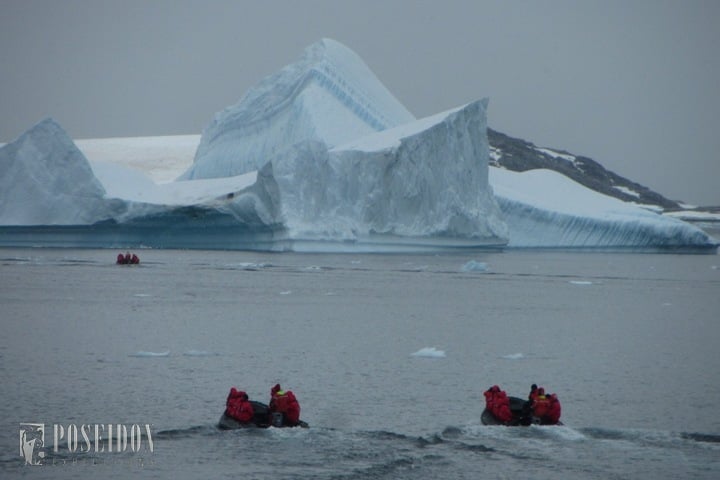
pixel 521 415
pixel 262 418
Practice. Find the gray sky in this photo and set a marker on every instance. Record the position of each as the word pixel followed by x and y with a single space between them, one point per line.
pixel 632 84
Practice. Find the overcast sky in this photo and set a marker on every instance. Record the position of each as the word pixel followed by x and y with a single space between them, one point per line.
pixel 632 84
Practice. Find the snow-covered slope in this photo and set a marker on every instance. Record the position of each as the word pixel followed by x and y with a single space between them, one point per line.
pixel 329 96
pixel 163 159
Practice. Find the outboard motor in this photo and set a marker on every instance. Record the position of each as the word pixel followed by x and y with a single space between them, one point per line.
pixel 277 419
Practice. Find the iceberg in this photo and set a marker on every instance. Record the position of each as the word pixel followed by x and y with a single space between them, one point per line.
pixel 317 157
pixel 545 209
pixel 329 96
pixel 35 192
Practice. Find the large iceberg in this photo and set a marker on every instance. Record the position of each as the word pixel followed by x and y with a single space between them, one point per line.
pixel 319 156
pixel 422 185
pixel 329 96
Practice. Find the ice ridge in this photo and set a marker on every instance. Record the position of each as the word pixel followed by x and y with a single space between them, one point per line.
pixel 329 96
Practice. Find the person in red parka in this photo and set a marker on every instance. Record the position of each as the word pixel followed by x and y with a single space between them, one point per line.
pixel 490 398
pixel 552 417
pixel 284 401
pixel 498 403
pixel 540 405
pixel 502 407
pixel 120 259
pixel 238 406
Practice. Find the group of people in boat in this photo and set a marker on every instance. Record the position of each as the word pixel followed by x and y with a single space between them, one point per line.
pixel 127 259
pixel 540 407
pixel 283 409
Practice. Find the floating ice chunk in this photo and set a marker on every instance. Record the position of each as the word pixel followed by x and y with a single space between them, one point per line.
pixel 429 352
pixel 286 292
pixel 474 266
pixel 580 282
pixel 200 353
pixel 513 356
pixel 150 354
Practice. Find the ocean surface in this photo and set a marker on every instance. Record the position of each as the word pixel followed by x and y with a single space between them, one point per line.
pixel 387 354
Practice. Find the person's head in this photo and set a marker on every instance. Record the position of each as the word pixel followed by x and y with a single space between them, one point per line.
pixel 276 388
pixel 541 391
pixel 533 387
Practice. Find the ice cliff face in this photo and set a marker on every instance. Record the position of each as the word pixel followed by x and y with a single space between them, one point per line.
pixel 46 180
pixel 329 96
pixel 424 179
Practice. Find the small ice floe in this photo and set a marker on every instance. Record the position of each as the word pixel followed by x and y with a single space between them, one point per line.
pixel 200 353
pixel 474 266
pixel 513 356
pixel 142 295
pixel 667 304
pixel 429 352
pixel 150 354
pixel 251 266
pixel 286 292
pixel 580 282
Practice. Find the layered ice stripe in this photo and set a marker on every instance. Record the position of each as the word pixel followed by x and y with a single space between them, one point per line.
pixel 329 96
pixel 546 209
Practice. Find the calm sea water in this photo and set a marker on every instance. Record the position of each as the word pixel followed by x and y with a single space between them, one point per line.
pixel 628 341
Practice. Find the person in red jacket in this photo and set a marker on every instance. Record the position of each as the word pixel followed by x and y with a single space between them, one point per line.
pixel 120 259
pixel 502 407
pixel 553 412
pixel 498 403
pixel 490 398
pixel 284 402
pixel 238 406
pixel 540 405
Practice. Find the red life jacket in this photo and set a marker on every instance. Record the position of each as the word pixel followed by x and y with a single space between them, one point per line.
pixel 540 406
pixel 501 407
pixel 488 400
pixel 554 410
pixel 286 403
pixel 238 406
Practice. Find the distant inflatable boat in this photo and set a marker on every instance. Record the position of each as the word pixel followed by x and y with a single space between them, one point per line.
pixel 521 417
pixel 262 418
